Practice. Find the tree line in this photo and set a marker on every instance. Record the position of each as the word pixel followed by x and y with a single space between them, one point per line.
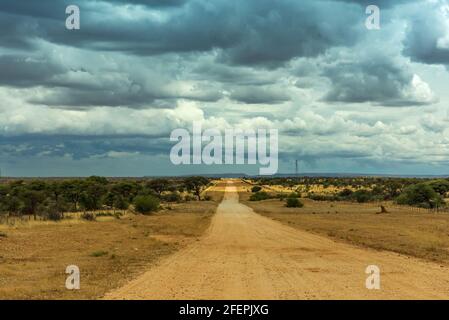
pixel 51 199
pixel 424 193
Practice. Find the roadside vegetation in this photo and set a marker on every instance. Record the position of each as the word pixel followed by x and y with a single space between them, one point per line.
pixel 109 248
pixel 421 193
pixel 54 200
pixel 407 216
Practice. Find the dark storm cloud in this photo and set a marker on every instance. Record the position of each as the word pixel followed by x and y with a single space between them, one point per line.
pixel 81 147
pixel 14 34
pixel 259 95
pixel 73 97
pixel 118 96
pixel 42 9
pixel 22 71
pixel 379 80
pixel 249 32
pixel 259 33
pixel 421 43
pixel 83 87
pixel 233 75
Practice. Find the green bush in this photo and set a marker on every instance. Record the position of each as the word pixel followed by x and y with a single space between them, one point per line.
pixel 440 186
pixel 146 204
pixel 262 195
pixel 362 196
pixel 420 195
pixel 256 189
pixel 294 203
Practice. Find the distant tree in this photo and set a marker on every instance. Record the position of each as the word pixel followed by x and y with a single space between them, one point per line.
pixel 196 185
pixel 120 203
pixel 94 191
pixel 89 202
pixel 421 195
pixel 31 199
pixel 109 200
pixel 97 180
pixel 127 190
pixel 55 190
pixel 440 186
pixel 158 185
pixel 392 189
pixel 71 191
pixel 13 205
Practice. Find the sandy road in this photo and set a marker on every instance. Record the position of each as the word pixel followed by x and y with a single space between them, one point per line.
pixel 246 256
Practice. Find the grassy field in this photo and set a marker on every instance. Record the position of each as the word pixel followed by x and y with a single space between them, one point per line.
pixel 403 230
pixel 109 252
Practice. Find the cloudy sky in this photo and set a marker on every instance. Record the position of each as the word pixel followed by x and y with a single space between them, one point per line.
pixel 104 99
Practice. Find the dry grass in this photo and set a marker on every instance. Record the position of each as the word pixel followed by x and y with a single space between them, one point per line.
pixel 109 252
pixel 403 230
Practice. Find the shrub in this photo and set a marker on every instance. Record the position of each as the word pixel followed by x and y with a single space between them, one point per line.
pixel 321 197
pixel 256 189
pixel 121 203
pixel 293 195
pixel 420 195
pixel 345 193
pixel 146 204
pixel 54 216
pixel 362 196
pixel 88 216
pixel 171 197
pixel 262 195
pixel 207 198
pixel 3 235
pixel 294 203
pixel 189 197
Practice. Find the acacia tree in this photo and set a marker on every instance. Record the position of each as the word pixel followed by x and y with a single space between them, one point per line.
pixel 120 203
pixel 12 205
pixel 127 190
pixel 196 185
pixel 158 185
pixel 109 200
pixel 31 200
pixel 71 191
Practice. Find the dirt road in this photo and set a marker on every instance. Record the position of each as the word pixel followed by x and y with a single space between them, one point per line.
pixel 246 256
